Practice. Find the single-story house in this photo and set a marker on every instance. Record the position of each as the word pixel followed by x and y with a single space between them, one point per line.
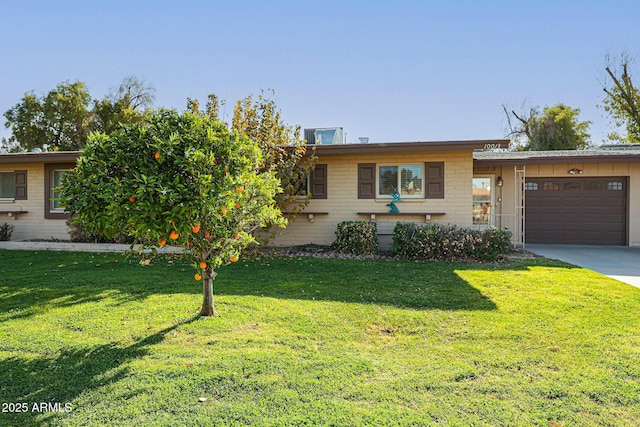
pixel 571 197
pixel 27 190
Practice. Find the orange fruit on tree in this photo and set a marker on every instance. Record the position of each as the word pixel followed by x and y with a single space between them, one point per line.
pixel 240 190
pixel 157 156
pixel 237 205
pixel 223 211
pixel 162 242
pixel 233 258
pixel 197 276
pixel 195 228
pixel 207 235
pixel 203 265
pixel 173 235
pixel 237 236
pixel 132 199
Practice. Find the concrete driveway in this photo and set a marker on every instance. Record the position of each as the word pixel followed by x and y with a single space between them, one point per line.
pixel 618 262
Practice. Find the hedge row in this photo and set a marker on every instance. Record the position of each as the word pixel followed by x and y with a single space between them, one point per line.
pixel 446 242
pixel 356 237
pixel 431 241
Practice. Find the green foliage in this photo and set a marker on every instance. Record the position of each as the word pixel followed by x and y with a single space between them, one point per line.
pixel 60 119
pixel 446 242
pixel 622 103
pixel 558 128
pixel 78 234
pixel 555 128
pixel 317 342
pixel 356 237
pixel 283 149
pixel 5 231
pixel 183 180
pixel 129 104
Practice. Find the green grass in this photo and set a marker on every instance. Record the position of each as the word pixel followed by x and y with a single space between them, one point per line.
pixel 305 342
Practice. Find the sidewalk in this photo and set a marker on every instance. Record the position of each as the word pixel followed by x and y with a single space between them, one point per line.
pixel 80 247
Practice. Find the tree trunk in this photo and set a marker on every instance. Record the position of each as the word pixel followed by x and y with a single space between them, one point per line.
pixel 208 308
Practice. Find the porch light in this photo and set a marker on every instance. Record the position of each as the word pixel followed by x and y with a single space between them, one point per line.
pixel 499 181
pixel 575 171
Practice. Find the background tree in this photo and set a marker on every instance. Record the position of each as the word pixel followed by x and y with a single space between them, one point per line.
pixel 555 128
pixel 284 151
pixel 130 103
pixel 622 100
pixel 60 119
pixel 181 179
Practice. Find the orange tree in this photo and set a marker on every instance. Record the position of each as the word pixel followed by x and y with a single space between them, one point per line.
pixel 181 179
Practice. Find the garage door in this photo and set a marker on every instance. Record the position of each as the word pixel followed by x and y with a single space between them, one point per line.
pixel 580 211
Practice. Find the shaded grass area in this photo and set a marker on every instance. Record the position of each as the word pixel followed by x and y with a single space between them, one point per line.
pixel 306 341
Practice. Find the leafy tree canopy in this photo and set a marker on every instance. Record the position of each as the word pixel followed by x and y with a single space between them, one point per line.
pixel 181 179
pixel 63 118
pixel 555 128
pixel 60 119
pixel 284 151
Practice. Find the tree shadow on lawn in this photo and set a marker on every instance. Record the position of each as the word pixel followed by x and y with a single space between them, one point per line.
pixel 401 284
pixel 63 378
pixel 93 277
pixel 34 282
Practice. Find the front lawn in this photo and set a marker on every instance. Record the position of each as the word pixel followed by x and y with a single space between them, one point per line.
pixel 107 341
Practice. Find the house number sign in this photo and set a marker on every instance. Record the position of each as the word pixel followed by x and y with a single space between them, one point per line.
pixel 492 146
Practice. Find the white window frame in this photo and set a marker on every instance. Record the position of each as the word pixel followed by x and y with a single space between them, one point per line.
pixel 398 184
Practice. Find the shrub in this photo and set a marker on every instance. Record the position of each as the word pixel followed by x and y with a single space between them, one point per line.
pixel 5 231
pixel 356 237
pixel 447 242
pixel 77 233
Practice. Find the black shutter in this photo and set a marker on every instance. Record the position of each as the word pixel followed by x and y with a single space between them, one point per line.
pixel 20 185
pixel 366 180
pixel 318 182
pixel 434 180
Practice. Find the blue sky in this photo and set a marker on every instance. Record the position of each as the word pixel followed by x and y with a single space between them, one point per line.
pixel 392 71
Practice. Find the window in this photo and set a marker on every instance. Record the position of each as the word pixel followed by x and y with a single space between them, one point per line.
pixel 413 181
pixel 56 182
pixel 53 174
pixel 13 185
pixel 593 186
pixel 406 179
pixel 7 185
pixel 316 183
pixel 551 186
pixel 572 186
pixel 614 185
pixel 531 186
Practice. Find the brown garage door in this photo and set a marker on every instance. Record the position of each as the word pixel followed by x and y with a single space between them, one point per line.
pixel 584 211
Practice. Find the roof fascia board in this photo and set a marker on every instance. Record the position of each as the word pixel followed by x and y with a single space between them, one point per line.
pixel 398 147
pixel 49 157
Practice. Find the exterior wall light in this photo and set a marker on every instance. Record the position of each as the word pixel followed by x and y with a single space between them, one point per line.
pixel 499 181
pixel 575 171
